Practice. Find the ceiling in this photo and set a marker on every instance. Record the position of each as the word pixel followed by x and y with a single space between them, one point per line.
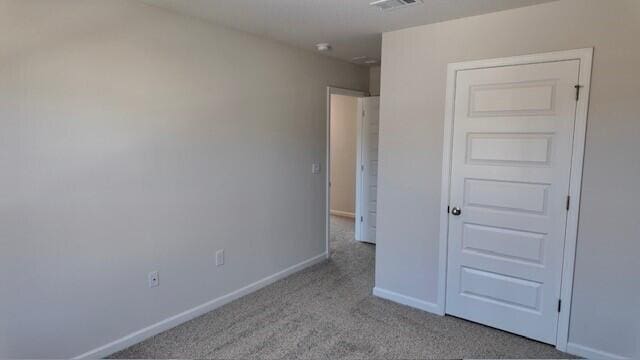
pixel 352 27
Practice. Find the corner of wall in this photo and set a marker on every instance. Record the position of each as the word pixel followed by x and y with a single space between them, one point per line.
pixel 374 80
pixel 408 300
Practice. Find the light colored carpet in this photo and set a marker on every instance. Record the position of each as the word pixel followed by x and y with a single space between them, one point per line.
pixel 327 312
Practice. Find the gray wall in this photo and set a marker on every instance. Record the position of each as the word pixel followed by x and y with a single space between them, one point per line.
pixel 374 80
pixel 132 140
pixel 343 153
pixel 605 313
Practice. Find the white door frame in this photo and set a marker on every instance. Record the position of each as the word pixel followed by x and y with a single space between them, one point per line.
pixel 332 90
pixel 579 136
pixel 360 174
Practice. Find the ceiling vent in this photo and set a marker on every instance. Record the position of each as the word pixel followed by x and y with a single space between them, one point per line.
pixel 394 4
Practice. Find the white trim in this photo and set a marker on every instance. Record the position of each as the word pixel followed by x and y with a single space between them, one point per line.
pixel 359 171
pixel 343 213
pixel 591 353
pixel 168 323
pixel 406 300
pixel 447 149
pixel 332 90
pixel 575 189
pixel 585 57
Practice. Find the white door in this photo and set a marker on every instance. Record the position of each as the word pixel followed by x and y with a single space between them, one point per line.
pixel 511 159
pixel 367 179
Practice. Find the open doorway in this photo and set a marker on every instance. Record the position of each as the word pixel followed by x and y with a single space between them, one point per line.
pixel 352 150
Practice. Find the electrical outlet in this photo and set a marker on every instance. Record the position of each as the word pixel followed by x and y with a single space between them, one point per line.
pixel 315 168
pixel 154 279
pixel 220 257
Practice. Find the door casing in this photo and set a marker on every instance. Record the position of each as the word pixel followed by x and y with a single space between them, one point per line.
pixel 585 57
pixel 361 171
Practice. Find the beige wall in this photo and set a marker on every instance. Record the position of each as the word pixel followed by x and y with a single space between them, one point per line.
pixel 343 153
pixel 605 313
pixel 132 140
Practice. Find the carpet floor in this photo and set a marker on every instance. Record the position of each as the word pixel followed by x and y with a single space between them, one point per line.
pixel 327 312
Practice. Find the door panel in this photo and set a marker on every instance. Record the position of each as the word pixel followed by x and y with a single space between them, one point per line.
pixel 500 289
pixel 506 195
pixel 511 159
pixel 367 202
pixel 503 244
pixel 509 149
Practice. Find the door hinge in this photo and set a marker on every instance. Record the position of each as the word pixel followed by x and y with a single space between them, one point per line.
pixel 568 202
pixel 559 305
pixel 361 218
pixel 578 92
pixel 362 113
pixel 361 167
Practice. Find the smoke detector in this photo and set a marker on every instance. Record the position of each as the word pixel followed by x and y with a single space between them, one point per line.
pixel 323 47
pixel 394 4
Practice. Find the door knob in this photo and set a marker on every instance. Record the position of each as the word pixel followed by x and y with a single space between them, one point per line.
pixel 456 211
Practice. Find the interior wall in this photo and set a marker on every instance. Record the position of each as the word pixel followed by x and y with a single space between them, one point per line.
pixel 343 153
pixel 374 80
pixel 133 139
pixel 605 314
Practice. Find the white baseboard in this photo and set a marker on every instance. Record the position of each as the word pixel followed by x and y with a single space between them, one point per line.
pixel 192 313
pixel 342 213
pixel 572 348
pixel 407 300
pixel 593 354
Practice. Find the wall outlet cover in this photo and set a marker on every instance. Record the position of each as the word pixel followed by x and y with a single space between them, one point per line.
pixel 154 279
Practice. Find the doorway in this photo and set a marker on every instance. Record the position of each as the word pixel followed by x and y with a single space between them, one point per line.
pixel 350 155
pixel 514 142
